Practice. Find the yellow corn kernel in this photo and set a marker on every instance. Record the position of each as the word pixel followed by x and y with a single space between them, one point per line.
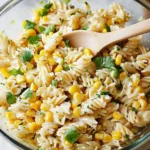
pixel 139 89
pixel 31 113
pixel 45 19
pixel 52 61
pixel 85 97
pixel 107 138
pixel 119 20
pixel 36 57
pixel 118 60
pixel 109 22
pixel 122 76
pixel 88 52
pixel 99 136
pixel 29 78
pixel 42 52
pixel 78 96
pixel 117 115
pixel 39 120
pixel 74 105
pixel 62 44
pixel 55 148
pixel 67 143
pixel 32 126
pixel 35 105
pixel 49 116
pixel 29 66
pixel 9 115
pixel 5 72
pixel 73 89
pixel 20 79
pixel 117 135
pixel 33 87
pixel 44 107
pixel 33 98
pixel 24 23
pixel 31 32
pixel 143 104
pixel 135 83
pixel 76 112
pixel 57 54
pixel 50 34
pixel 97 84
pixel 59 68
pixel 104 30
pixel 17 123
pixel 136 105
pixel 11 121
pixel 29 119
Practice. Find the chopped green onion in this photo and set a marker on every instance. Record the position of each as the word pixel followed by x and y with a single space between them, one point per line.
pixel 66 67
pixel 48 6
pixel 11 99
pixel 115 73
pixel 29 25
pixel 43 12
pixel 134 109
pixel 34 39
pixel 54 83
pixel 42 29
pixel 26 56
pixel 85 28
pixel 15 72
pixel 51 28
pixel 127 137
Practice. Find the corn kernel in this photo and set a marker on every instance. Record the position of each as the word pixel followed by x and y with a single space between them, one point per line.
pixel 88 52
pixel 46 19
pixel 33 87
pixel 39 120
pixel 24 23
pixel 122 76
pixel 36 18
pixel 32 126
pixel 78 96
pixel 139 89
pixel 57 54
pixel 49 116
pixel 143 104
pixel 29 119
pixel 107 138
pixel 52 61
pixel 119 20
pixel 117 115
pixel 62 44
pixel 104 30
pixel 35 105
pixel 10 115
pixel 42 52
pixel 50 34
pixel 29 78
pixel 118 60
pixel 59 68
pixel 117 135
pixel 136 105
pixel 73 89
pixel 17 123
pixel 85 97
pixel 33 98
pixel 11 121
pixel 5 72
pixel 44 107
pixel 31 113
pixel 36 57
pixel 97 84
pixel 29 66
pixel 20 79
pixel 76 112
pixel 109 22
pixel 67 143
pixel 99 136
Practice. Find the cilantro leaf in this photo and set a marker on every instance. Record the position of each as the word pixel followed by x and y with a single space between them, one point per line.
pixel 28 94
pixel 71 135
pixel 34 39
pixel 104 62
pixel 48 6
pixel 107 27
pixel 66 1
pixel 134 109
pixel 85 28
pixel 54 83
pixel 66 67
pixel 51 28
pixel 26 56
pixel 102 93
pixel 67 43
pixel 43 12
pixel 15 72
pixel 11 99
pixel 42 29
pixel 127 137
pixel 29 25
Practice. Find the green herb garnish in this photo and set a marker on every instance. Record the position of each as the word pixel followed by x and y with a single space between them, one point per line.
pixel 12 22
pixel 34 39
pixel 42 29
pixel 54 83
pixel 115 73
pixel 71 135
pixel 127 137
pixel 67 43
pixel 134 109
pixel 107 27
pixel 26 56
pixel 51 28
pixel 43 12
pixel 11 99
pixel 29 25
pixel 102 93
pixel 85 28
pixel 66 67
pixel 15 72
pixel 28 94
pixel 48 6
pixel 89 12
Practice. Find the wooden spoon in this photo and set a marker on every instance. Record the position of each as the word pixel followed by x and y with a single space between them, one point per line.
pixel 97 41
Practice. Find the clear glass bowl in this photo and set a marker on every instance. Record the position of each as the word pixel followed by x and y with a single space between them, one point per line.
pixel 14 12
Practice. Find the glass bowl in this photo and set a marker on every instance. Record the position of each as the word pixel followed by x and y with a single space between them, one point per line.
pixel 14 12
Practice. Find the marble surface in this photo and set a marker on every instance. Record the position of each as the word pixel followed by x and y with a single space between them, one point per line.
pixel 6 145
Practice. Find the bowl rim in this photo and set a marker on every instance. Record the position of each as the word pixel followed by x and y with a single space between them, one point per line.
pixel 133 146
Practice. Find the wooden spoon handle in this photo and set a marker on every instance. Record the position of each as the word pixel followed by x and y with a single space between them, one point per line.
pixel 128 32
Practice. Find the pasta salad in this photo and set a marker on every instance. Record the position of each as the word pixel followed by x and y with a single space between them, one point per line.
pixel 56 97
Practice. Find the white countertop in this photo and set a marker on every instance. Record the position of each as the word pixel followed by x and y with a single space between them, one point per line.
pixel 5 145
